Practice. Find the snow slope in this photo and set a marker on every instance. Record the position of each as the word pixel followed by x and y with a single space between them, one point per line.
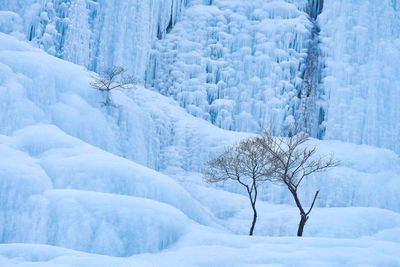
pixel 50 194
pixel 49 178
pixel 142 129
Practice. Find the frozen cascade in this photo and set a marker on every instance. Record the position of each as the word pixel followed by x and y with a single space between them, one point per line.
pixel 314 8
pixel 237 64
pixel 312 107
pixel 98 33
pixel 360 42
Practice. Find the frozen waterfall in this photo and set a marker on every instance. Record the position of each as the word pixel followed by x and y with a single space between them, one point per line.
pixel 312 104
pixel 328 68
pixel 100 33
pixel 361 50
pixel 237 64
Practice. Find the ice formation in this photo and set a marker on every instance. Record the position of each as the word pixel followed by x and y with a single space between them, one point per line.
pixel 361 46
pixel 97 34
pixel 237 64
pixel 82 183
pixel 243 65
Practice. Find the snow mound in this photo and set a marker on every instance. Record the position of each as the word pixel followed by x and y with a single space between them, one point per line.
pixel 40 159
pixel 10 22
pixel 102 223
pixel 234 212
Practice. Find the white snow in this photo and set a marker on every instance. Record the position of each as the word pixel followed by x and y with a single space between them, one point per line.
pixel 10 22
pixel 42 162
pixel 207 248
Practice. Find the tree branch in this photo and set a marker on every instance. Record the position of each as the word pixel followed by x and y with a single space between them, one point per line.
pixel 312 205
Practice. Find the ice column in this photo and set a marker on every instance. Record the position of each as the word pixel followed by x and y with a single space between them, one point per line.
pixel 311 110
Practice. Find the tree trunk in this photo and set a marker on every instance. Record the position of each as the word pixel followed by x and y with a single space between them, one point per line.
pixel 303 221
pixel 253 224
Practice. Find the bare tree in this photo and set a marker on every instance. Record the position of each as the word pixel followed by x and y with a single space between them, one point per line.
pixel 245 163
pixel 294 161
pixel 113 78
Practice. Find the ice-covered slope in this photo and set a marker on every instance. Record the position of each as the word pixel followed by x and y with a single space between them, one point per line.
pixel 154 131
pixel 58 190
pixel 50 193
pixel 143 128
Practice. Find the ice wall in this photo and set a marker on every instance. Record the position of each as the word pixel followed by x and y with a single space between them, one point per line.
pixel 361 46
pixel 97 34
pixel 242 65
pixel 237 64
pixel 310 113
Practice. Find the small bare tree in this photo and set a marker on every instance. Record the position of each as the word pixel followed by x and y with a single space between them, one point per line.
pixel 245 163
pixel 294 161
pixel 113 78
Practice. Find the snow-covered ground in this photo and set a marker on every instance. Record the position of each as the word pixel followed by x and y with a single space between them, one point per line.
pixel 73 192
pixel 207 248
